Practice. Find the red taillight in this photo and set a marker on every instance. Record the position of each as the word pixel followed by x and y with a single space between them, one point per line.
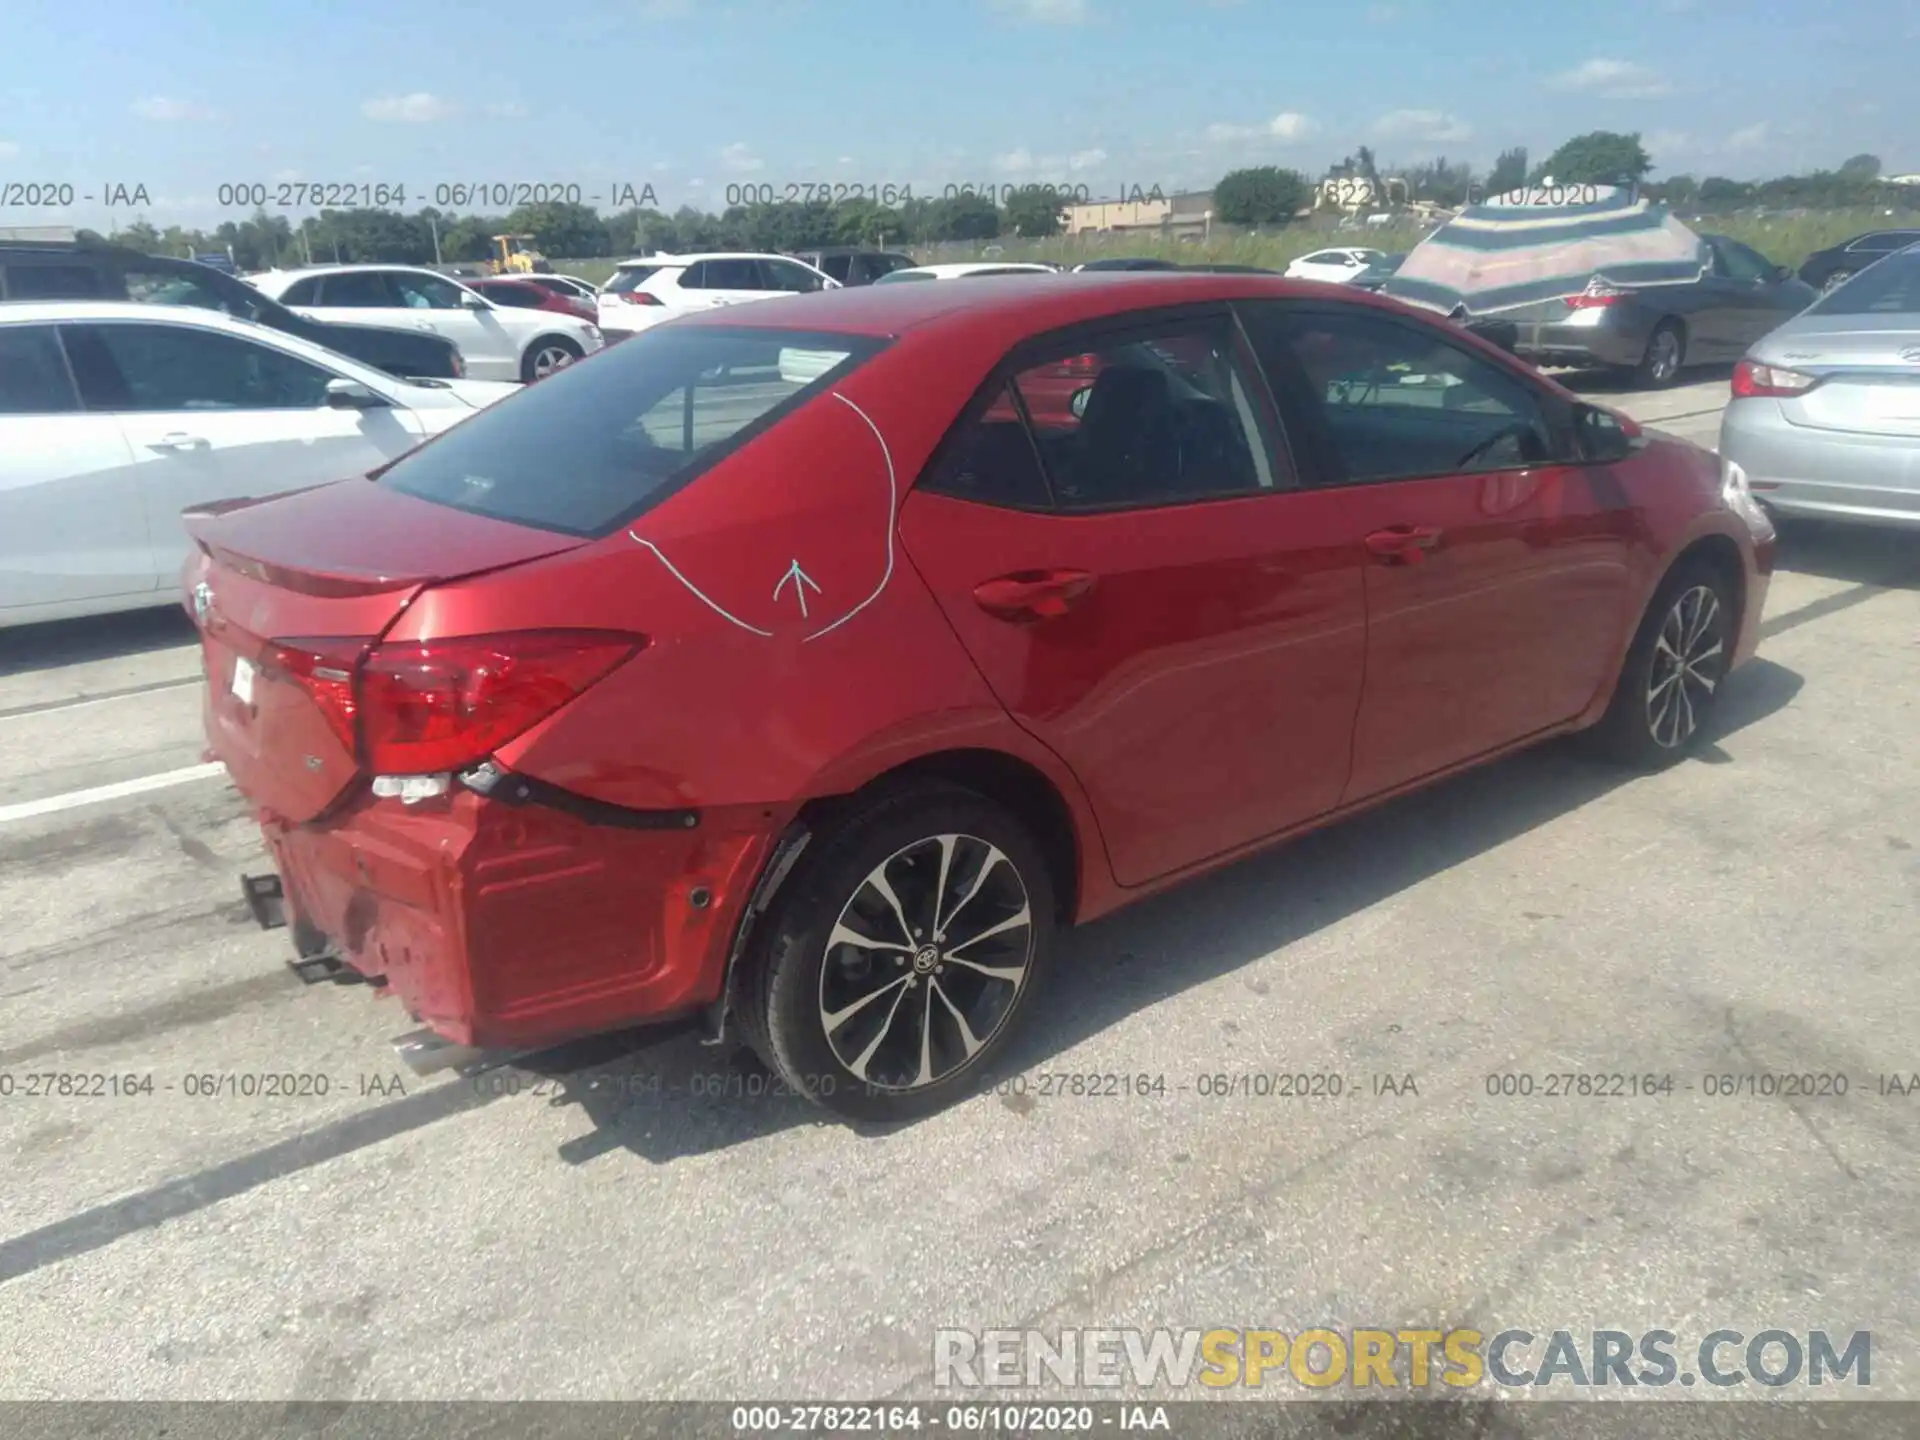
pixel 459 366
pixel 1751 379
pixel 428 706
pixel 638 297
pixel 421 707
pixel 1597 294
pixel 324 669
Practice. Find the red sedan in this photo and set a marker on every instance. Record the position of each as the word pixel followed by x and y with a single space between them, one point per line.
pixel 527 295
pixel 792 670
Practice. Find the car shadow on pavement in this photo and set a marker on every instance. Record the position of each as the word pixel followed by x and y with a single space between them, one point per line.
pixel 665 1097
pixel 54 643
pixel 1881 557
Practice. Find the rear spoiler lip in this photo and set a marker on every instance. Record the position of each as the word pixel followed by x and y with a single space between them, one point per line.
pixel 201 524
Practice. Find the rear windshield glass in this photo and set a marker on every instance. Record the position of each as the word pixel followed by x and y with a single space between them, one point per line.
pixel 590 447
pixel 899 277
pixel 632 277
pixel 1886 287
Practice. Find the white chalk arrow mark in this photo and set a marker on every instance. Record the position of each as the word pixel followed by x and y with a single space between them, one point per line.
pixel 800 580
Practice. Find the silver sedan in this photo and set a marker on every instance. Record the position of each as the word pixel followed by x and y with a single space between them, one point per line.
pixel 1825 417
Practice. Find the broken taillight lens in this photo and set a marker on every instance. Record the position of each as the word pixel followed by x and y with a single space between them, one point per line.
pixel 324 669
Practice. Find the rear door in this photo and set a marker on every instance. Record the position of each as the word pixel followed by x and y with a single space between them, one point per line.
pixel 1149 592
pixel 714 283
pixel 207 416
pixel 72 526
pixel 1497 575
pixel 488 338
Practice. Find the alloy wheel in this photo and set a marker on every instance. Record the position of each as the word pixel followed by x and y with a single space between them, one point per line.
pixel 925 962
pixel 1688 656
pixel 549 359
pixel 1663 355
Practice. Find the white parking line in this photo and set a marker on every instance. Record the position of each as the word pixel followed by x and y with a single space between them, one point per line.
pixel 52 804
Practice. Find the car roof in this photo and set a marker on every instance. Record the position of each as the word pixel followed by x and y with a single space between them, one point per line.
pixel 969 267
pixel 303 271
pixel 665 259
pixel 1005 309
pixel 73 312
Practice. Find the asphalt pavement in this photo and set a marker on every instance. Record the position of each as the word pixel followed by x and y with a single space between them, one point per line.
pixel 637 1220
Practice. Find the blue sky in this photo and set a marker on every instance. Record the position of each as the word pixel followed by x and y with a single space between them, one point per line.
pixel 692 96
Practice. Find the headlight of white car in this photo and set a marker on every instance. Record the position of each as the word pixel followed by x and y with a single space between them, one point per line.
pixel 1739 498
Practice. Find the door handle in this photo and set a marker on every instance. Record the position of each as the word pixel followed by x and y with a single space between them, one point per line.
pixel 1033 594
pixel 1404 544
pixel 178 440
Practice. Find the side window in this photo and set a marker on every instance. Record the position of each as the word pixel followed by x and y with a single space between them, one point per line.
pixel 1738 263
pixel 732 275
pixel 302 292
pixel 54 282
pixel 33 373
pixel 157 287
pixel 694 277
pixel 357 290
pixel 842 267
pixel 1152 418
pixel 1397 401
pixel 991 459
pixel 521 297
pixel 426 292
pixel 782 275
pixel 172 367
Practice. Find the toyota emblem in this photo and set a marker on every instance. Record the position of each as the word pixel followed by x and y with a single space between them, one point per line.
pixel 202 601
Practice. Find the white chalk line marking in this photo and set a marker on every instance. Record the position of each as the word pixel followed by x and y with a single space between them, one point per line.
pixel 698 593
pixel 893 506
pixel 73 799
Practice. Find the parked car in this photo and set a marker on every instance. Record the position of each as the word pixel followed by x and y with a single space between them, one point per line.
pixel 1232 269
pixel 1825 416
pixel 1126 263
pixel 78 271
pixel 1656 331
pixel 853 264
pixel 563 285
pixel 617 722
pixel 1340 265
pixel 114 416
pixel 965 270
pixel 644 292
pixel 496 342
pixel 1825 269
pixel 1378 272
pixel 520 292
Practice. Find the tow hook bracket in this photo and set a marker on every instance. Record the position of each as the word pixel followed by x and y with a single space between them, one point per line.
pixel 319 969
pixel 266 900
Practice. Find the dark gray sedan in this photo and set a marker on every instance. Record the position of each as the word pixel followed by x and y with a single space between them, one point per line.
pixel 1825 416
pixel 1658 330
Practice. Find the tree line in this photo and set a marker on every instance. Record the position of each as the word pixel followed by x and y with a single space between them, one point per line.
pixel 1257 196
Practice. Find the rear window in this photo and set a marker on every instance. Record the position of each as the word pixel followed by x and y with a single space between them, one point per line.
pixel 589 448
pixel 631 277
pixel 897 277
pixel 54 282
pixel 1887 287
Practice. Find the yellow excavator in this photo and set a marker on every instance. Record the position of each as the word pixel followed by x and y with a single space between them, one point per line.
pixel 515 255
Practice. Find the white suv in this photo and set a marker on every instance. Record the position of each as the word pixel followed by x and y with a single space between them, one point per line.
pixel 497 342
pixel 644 292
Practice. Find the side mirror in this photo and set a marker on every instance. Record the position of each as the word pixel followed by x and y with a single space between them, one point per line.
pixel 1077 402
pixel 352 395
pixel 1602 438
pixel 473 302
pixel 1780 273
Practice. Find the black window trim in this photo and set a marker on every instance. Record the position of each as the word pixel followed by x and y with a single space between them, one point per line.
pixel 861 350
pixel 79 406
pixel 1091 334
pixel 1330 472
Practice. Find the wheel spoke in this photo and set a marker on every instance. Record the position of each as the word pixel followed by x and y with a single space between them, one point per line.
pixel 947 842
pixel 1683 726
pixel 1010 923
pixel 925 1075
pixel 878 880
pixel 994 858
pixel 846 1012
pixel 865 1058
pixel 843 936
pixel 968 1040
pixel 1009 973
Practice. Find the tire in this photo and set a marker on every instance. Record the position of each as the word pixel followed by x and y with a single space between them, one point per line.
pixel 1665 356
pixel 546 355
pixel 877 1064
pixel 1835 281
pixel 1658 713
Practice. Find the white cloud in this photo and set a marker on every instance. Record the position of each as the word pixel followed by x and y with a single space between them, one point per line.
pixel 160 107
pixel 1016 162
pixel 1662 143
pixel 285 177
pixel 739 158
pixel 1433 127
pixel 1086 159
pixel 417 108
pixel 1047 12
pixel 1288 125
pixel 846 160
pixel 1613 80
pixel 8 149
pixel 507 110
pixel 1749 137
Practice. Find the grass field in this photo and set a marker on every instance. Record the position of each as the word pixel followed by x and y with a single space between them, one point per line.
pixel 1787 240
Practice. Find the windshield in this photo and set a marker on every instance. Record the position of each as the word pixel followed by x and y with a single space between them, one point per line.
pixel 1887 287
pixel 631 277
pixel 589 448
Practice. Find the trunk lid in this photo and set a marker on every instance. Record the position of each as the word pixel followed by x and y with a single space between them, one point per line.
pixel 338 562
pixel 1869 369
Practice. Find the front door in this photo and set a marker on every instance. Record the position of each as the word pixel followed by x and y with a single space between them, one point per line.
pixel 1498 577
pixel 1150 593
pixel 714 283
pixel 205 416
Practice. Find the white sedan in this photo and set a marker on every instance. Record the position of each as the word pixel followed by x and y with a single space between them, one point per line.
pixel 1339 266
pixel 497 342
pixel 965 270
pixel 116 416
